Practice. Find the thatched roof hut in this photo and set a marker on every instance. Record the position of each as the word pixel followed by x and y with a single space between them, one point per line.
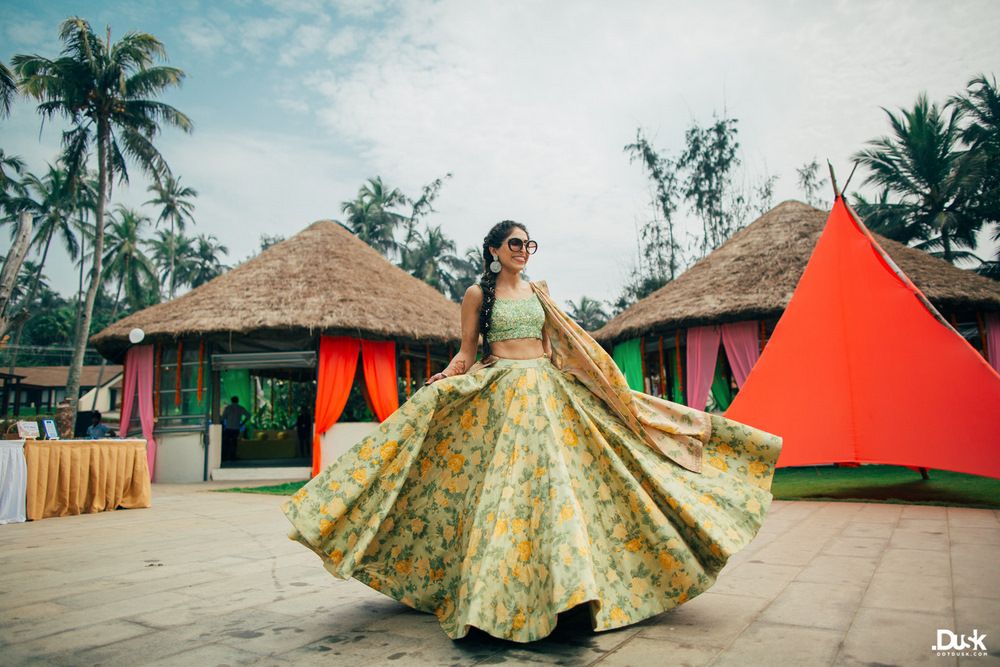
pixel 322 280
pixel 752 277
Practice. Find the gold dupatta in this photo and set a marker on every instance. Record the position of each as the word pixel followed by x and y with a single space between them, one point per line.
pixel 674 430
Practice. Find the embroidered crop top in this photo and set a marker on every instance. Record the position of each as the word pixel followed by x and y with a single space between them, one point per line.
pixel 516 318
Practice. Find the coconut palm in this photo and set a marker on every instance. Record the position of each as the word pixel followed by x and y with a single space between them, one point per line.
pixel 206 264
pixel 165 246
pixel 106 91
pixel 8 90
pixel 588 313
pixel 430 256
pixel 176 208
pixel 370 216
pixel 931 179
pixel 125 263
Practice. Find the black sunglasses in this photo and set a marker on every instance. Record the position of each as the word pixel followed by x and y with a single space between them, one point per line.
pixel 516 244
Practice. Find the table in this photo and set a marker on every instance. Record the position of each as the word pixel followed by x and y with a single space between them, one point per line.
pixel 81 476
pixel 13 481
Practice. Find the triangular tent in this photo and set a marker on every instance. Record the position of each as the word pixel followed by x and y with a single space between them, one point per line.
pixel 861 368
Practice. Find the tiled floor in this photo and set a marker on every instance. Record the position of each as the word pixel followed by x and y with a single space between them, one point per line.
pixel 208 578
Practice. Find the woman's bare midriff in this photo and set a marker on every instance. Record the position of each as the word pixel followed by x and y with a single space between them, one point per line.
pixel 518 348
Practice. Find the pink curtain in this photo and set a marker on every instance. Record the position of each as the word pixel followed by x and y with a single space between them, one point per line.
pixel 139 381
pixel 702 353
pixel 993 339
pixel 378 358
pixel 742 348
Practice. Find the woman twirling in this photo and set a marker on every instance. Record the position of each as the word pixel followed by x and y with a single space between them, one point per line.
pixel 511 489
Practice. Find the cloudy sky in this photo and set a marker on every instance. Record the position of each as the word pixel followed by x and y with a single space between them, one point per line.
pixel 527 104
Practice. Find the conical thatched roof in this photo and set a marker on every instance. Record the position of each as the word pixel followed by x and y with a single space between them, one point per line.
pixel 324 279
pixel 753 275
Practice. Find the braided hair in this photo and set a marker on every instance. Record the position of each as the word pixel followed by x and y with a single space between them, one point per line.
pixel 488 281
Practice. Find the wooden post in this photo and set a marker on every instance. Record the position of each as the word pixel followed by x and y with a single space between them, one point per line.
pixel 663 371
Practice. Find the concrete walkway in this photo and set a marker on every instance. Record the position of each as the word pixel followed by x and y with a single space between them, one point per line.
pixel 209 579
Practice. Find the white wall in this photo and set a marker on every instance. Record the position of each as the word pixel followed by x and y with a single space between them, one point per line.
pixel 180 457
pixel 342 437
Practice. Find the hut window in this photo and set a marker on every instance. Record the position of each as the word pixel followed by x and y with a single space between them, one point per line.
pixel 179 404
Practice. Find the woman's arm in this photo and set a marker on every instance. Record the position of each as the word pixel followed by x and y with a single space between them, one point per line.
pixel 461 362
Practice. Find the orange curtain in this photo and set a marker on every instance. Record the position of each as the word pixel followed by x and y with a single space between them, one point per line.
pixel 379 361
pixel 338 361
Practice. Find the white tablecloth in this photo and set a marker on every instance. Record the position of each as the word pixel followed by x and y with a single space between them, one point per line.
pixel 13 481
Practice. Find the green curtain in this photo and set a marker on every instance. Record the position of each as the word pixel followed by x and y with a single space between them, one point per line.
pixel 720 388
pixel 629 359
pixel 236 382
pixel 678 395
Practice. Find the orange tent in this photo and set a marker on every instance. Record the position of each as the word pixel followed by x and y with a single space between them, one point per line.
pixel 862 369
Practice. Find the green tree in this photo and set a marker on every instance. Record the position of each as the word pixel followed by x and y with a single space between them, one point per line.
pixel 165 247
pixel 431 257
pixel 371 216
pixel 176 208
pixel 206 263
pixel 125 264
pixel 588 313
pixel 8 90
pixel 928 183
pixel 661 250
pixel 106 90
pixel 811 184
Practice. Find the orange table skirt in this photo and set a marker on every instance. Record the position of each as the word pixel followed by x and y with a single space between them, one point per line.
pixel 82 476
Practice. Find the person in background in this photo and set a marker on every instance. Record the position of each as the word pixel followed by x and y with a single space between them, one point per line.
pixel 233 419
pixel 97 430
pixel 303 429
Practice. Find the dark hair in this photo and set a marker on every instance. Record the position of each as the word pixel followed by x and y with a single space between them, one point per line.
pixel 234 399
pixel 95 413
pixel 488 281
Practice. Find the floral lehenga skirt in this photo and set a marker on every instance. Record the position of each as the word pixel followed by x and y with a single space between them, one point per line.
pixel 500 498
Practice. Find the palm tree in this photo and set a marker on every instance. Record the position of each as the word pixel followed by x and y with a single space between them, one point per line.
pixel 124 261
pixel 206 264
pixel 588 313
pixel 105 90
pixel 176 207
pixel 931 178
pixel 8 89
pixel 166 245
pixel 370 218
pixel 429 256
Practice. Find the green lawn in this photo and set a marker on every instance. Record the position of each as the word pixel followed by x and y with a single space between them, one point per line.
pixel 869 483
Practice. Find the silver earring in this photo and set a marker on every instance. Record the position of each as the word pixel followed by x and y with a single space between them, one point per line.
pixel 495 265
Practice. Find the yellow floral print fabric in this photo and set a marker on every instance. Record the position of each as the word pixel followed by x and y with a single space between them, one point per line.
pixel 501 497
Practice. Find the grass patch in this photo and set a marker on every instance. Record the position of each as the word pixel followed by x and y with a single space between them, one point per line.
pixel 886 484
pixel 286 489
pixel 868 483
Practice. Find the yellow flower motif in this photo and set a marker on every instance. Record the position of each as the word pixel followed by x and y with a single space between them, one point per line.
pixel 334 485
pixel 417 526
pixel 639 586
pixel 724 449
pixel 757 468
pixel 500 528
pixel 425 465
pixel 524 550
pixel 569 437
pixel 619 531
pixel 604 492
pixel 576 598
pixel 437 575
pixel 366 451
pixel 360 475
pixel 406 432
pixel 404 566
pixel 618 616
pixel 518 621
pixel 566 513
pixel 502 614
pixel 634 544
pixel 680 579
pixel 540 471
pixel 587 458
pixel 707 500
pixel 394 552
pixel 336 556
pixel 352 540
pixel 299 495
pixel 667 561
pixel 467 419
pixel 753 505
pixel 519 525
pixel 449 532
pixel 552 403
pixel 325 527
pixel 376 584
pixel 388 450
pixel 717 462
pixel 455 462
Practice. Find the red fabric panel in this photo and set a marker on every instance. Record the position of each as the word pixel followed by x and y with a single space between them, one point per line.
pixel 860 370
pixel 379 361
pixel 338 360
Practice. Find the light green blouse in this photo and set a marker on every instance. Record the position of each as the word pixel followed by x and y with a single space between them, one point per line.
pixel 516 318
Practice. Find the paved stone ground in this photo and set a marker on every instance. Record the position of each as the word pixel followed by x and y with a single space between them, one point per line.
pixel 210 579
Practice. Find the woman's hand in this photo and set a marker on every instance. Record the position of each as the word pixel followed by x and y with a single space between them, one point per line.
pixel 434 378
